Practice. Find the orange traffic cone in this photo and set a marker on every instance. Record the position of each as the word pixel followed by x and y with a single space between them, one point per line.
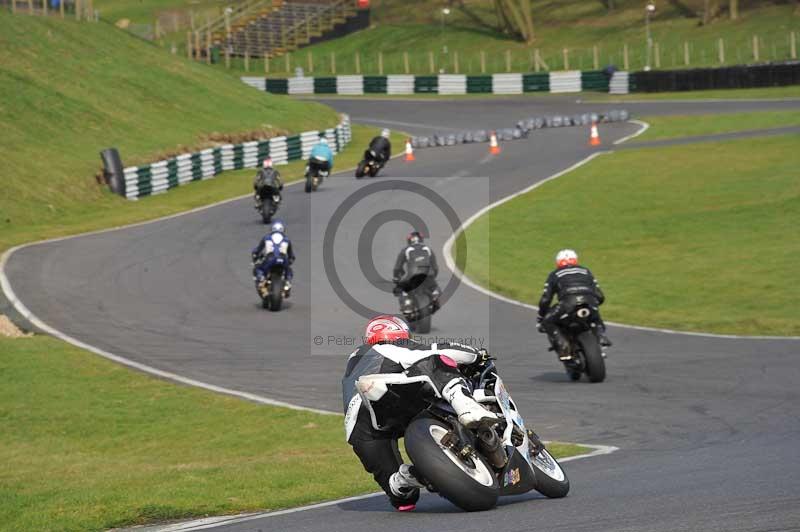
pixel 409 151
pixel 494 148
pixel 594 137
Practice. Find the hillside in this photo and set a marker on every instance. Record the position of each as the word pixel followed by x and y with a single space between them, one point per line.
pixel 418 27
pixel 70 89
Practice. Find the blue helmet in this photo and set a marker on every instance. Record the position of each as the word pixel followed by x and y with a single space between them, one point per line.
pixel 278 227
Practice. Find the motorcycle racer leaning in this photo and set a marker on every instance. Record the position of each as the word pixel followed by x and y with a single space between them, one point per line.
pixel 416 267
pixel 569 280
pixel 373 422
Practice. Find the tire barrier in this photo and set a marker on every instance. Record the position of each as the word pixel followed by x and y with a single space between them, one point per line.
pixel 161 176
pixel 520 131
pixel 609 80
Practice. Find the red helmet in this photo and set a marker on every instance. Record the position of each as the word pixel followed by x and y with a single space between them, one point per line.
pixel 386 328
pixel 267 162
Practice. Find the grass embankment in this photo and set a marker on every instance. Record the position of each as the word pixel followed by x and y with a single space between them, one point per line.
pixel 88 445
pixel 69 89
pixel 686 237
pixel 416 27
pixel 668 127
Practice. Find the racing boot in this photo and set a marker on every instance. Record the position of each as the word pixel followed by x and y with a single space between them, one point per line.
pixel 405 486
pixel 470 412
pixel 261 286
pixel 604 341
pixel 287 288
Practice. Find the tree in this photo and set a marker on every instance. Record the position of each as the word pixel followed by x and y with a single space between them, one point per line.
pixel 514 17
pixel 733 8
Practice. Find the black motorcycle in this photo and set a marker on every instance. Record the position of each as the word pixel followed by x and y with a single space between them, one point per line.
pixel 417 303
pixel 469 467
pixel 267 199
pixel 316 171
pixel 274 287
pixel 580 328
pixel 370 165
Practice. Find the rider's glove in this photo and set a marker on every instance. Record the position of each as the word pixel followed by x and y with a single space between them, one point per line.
pixel 539 318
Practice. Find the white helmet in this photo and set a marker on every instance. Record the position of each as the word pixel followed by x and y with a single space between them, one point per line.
pixel 385 133
pixel 566 257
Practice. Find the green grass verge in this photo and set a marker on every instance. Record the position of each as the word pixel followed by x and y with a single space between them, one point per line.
pixel 88 445
pixel 766 93
pixel 576 25
pixel 685 237
pixel 667 127
pixel 69 89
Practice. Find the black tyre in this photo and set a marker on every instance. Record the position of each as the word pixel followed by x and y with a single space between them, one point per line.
pixel 309 186
pixel 275 296
pixel 471 485
pixel 422 326
pixel 266 211
pixel 551 480
pixel 595 365
pixel 360 169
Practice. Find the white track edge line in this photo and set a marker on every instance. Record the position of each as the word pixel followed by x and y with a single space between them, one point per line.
pixel 20 307
pixel 448 259
pixel 212 522
pixel 644 126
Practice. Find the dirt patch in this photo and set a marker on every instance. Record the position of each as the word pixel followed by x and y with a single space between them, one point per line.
pixel 7 328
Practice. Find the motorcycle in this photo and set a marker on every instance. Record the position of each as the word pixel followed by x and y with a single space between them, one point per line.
pixel 370 165
pixel 267 202
pixel 315 172
pixel 581 330
pixel 274 287
pixel 416 304
pixel 469 467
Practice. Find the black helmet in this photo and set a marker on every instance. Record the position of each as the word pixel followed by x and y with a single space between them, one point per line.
pixel 415 237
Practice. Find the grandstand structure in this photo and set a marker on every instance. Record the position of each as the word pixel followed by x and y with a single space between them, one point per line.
pixel 259 28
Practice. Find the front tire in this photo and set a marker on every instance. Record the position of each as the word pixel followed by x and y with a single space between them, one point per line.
pixel 266 212
pixel 551 480
pixel 309 185
pixel 373 170
pixel 360 169
pixel 471 485
pixel 422 326
pixel 595 365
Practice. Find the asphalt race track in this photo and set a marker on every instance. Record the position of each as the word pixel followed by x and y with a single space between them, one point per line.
pixel 708 428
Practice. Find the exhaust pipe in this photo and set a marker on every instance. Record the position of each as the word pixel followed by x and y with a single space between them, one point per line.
pixel 490 447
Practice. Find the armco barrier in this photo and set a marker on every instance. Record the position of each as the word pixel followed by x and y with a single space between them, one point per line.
pixel 426 84
pixel 161 176
pixel 736 77
pixel 325 85
pixel 375 84
pixel 620 83
pixel 536 82
pixel 479 84
pixel 594 80
pixel 301 85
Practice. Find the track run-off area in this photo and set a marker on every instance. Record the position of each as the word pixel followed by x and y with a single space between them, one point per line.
pixel 708 428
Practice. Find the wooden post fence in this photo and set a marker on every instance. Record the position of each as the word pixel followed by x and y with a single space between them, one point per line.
pixel 358 63
pixel 227 56
pixel 208 46
pixel 686 58
pixel 77 9
pixel 595 57
pixel 625 62
pixel 565 53
pixel 310 62
pixel 793 45
pixel 61 8
pixel 721 49
pixel 508 60
pixel 188 45
pixel 266 63
pixel 44 7
pixel 755 48
pixel 13 6
pixel 30 7
pixel 657 54
pixel 455 61
pixel 287 62
pixel 405 63
pixel 430 62
pixel 333 62
pixel 483 62
pixel 247 60
pixel 197 48
pixel 380 63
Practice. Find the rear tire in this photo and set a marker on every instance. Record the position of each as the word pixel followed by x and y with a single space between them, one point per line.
pixel 595 365
pixel 473 487
pixel 275 296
